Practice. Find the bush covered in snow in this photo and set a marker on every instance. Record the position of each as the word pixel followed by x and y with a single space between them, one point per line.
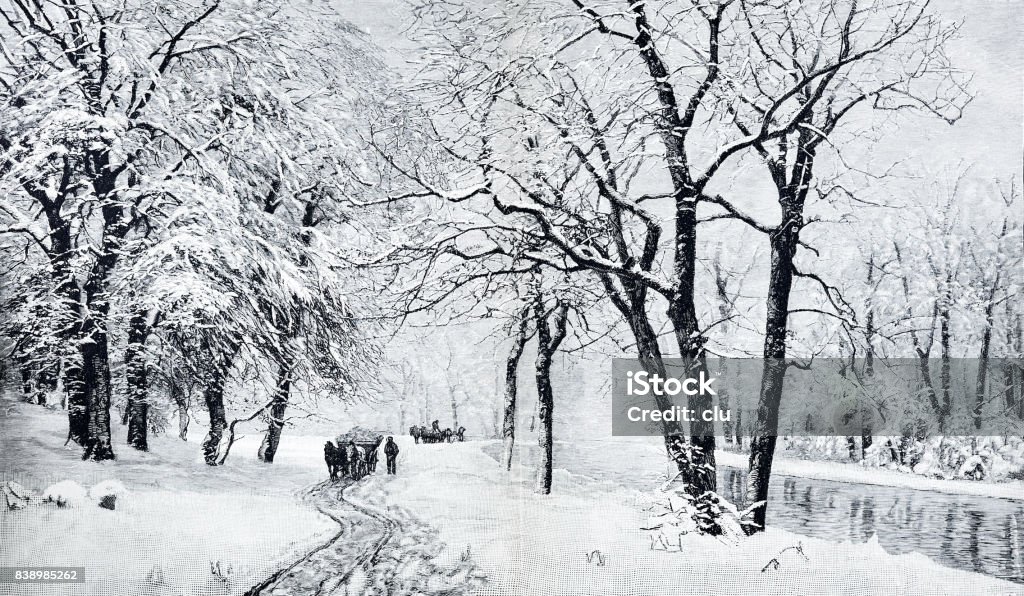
pixel 675 513
pixel 968 458
pixel 67 493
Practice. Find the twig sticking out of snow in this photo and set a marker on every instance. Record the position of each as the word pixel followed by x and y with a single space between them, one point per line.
pixel 774 563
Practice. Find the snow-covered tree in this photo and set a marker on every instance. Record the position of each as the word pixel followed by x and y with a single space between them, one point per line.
pixel 135 134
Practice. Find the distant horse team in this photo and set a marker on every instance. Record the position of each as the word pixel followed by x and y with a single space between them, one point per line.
pixel 435 434
pixel 353 460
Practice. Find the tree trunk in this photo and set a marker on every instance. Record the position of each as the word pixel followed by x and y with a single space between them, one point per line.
pixel 945 375
pixel 1018 351
pixel 766 425
pixel 738 424
pixel 700 475
pixel 866 431
pixel 725 311
pixel 699 472
pixel 545 438
pixel 93 336
pixel 183 416
pixel 70 293
pixel 272 438
pixel 508 427
pixel 728 430
pixel 77 402
pixel 96 373
pixel 137 409
pixel 547 344
pixel 633 310
pixel 455 408
pixel 213 394
pixel 986 342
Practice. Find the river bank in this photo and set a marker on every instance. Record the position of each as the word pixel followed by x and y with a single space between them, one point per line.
pixel 853 472
pixel 555 544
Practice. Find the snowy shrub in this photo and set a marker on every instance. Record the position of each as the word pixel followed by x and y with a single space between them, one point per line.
pixel 67 493
pixel 675 513
pixel 1017 474
pixel 965 458
pixel 706 511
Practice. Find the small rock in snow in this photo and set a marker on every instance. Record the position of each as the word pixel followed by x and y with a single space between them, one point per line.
pixel 106 493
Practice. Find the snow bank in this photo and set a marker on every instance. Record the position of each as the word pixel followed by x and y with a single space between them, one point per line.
pixel 967 458
pixel 852 472
pixel 587 538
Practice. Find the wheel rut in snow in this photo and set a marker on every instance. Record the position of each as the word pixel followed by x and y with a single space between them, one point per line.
pixel 362 533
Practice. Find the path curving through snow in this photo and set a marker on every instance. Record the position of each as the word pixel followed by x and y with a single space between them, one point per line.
pixel 327 567
pixel 372 551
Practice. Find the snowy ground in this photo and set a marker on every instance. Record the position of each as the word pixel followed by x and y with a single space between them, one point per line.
pixel 183 528
pixel 531 544
pixel 454 517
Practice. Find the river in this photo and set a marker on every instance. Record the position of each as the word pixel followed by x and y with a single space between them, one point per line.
pixel 980 534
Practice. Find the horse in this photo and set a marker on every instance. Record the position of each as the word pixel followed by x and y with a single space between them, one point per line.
pixel 446 435
pixel 415 431
pixel 461 434
pixel 335 459
pixel 433 436
pixel 352 455
pixel 425 435
pixel 329 450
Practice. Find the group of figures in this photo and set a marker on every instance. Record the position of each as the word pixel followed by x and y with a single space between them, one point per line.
pixel 435 434
pixel 353 460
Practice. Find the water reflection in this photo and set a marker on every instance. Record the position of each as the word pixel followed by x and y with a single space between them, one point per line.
pixel 973 533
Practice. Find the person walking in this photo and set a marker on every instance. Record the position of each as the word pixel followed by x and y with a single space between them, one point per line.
pixel 391 452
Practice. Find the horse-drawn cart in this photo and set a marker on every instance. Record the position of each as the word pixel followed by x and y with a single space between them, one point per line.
pixel 355 455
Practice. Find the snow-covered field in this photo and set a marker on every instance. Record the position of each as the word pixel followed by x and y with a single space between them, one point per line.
pixel 186 528
pixel 182 528
pixel 531 544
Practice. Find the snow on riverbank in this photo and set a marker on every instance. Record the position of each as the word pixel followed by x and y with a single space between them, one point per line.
pixel 852 472
pixel 532 544
pixel 182 528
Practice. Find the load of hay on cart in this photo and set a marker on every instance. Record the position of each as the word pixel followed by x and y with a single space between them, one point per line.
pixel 355 455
